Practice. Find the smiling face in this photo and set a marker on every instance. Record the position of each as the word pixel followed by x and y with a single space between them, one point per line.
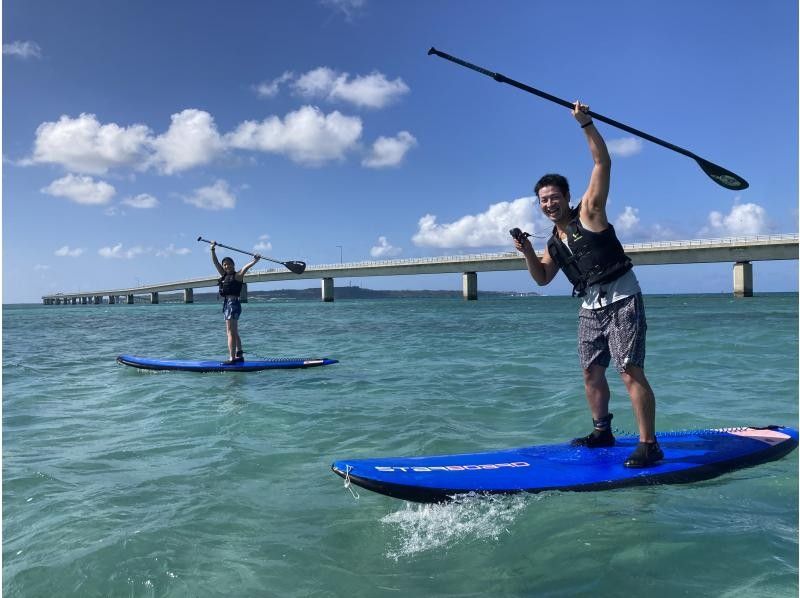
pixel 554 204
pixel 228 266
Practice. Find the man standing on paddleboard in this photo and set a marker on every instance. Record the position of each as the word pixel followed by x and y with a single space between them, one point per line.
pixel 230 287
pixel 611 321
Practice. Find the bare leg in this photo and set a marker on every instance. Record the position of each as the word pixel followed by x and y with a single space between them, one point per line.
pixel 234 342
pixel 643 401
pixel 597 391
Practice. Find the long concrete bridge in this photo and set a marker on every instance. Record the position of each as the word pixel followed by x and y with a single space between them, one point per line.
pixel 740 251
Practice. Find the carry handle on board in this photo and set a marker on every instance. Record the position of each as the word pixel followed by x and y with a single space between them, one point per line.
pixel 294 266
pixel 718 174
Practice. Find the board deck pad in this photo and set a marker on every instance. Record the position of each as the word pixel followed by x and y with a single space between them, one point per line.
pixel 185 365
pixel 689 456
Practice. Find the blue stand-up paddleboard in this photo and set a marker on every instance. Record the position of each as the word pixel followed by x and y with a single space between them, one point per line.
pixel 688 457
pixel 278 363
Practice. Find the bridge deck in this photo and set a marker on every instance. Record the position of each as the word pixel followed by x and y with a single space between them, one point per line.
pixel 731 250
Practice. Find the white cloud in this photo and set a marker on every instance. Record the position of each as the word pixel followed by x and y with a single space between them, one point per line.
pixel 216 197
pixel 743 220
pixel 384 249
pixel 628 221
pixel 316 83
pixel 659 232
pixel 118 253
pixel 306 135
pixel 171 250
pixel 263 244
pixel 389 151
pixel 629 228
pixel 81 189
pixel 23 49
pixel 192 140
pixel 370 91
pixel 39 267
pixel 489 228
pixel 67 251
pixel 627 146
pixel 84 145
pixel 269 89
pixel 349 8
pixel 142 201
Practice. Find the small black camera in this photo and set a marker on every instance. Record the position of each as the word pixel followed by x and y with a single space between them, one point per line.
pixel 518 235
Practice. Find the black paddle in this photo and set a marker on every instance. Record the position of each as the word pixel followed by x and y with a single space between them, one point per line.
pixel 718 174
pixel 296 267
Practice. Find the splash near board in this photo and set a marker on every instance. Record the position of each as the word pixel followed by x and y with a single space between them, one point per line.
pixel 689 456
pixel 183 365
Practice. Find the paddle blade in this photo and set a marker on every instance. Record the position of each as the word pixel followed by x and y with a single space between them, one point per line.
pixel 296 267
pixel 722 176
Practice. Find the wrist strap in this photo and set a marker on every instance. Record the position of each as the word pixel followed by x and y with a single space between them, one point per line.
pixel 583 126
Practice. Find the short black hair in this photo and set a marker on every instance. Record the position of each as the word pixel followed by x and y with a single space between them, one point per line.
pixel 230 259
pixel 555 180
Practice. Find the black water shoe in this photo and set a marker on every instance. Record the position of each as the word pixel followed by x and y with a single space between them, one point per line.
pixel 233 361
pixel 645 455
pixel 597 439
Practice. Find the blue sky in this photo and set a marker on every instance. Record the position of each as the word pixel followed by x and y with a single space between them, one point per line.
pixel 311 129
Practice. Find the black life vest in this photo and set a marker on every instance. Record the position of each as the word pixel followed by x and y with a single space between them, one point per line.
pixel 588 258
pixel 228 285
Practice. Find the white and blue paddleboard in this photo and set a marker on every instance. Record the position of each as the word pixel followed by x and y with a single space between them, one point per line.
pixel 184 365
pixel 689 456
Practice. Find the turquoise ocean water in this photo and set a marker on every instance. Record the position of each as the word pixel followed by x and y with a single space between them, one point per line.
pixel 119 482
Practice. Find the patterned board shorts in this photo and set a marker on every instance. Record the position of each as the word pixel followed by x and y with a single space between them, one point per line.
pixel 232 309
pixel 616 331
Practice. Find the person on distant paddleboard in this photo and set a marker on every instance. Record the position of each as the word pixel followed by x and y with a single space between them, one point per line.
pixel 230 287
pixel 611 321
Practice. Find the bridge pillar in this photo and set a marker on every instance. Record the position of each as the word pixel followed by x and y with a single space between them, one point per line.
pixel 743 279
pixel 470 284
pixel 327 289
pixel 130 299
pixel 98 299
pixel 154 297
pixel 84 300
pixel 74 301
pixel 243 293
pixel 112 299
pixel 188 295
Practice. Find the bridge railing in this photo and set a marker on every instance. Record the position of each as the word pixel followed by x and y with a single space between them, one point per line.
pixel 705 242
pixel 513 254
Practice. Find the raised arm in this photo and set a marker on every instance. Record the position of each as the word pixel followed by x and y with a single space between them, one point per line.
pixel 240 274
pixel 593 203
pixel 214 259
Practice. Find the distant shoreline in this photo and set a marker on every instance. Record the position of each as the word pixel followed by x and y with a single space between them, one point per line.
pixel 356 292
pixel 346 292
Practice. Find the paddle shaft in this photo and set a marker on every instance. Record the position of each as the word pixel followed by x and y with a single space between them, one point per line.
pixel 715 173
pixel 234 249
pixel 292 267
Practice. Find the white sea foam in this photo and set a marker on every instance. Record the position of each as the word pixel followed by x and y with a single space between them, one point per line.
pixel 425 527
